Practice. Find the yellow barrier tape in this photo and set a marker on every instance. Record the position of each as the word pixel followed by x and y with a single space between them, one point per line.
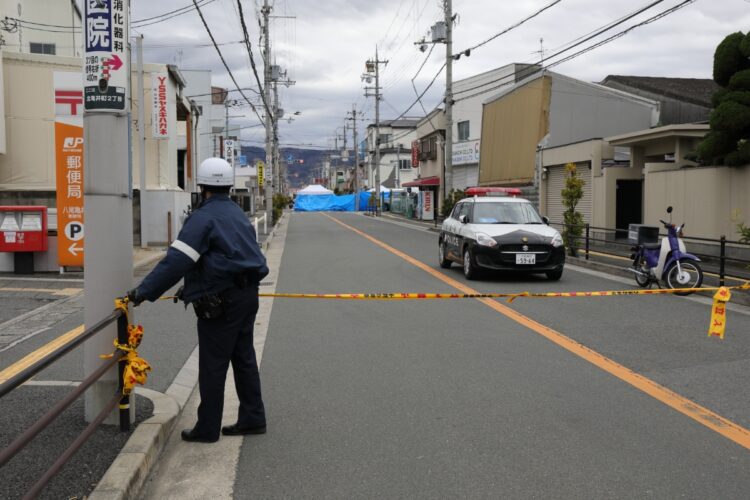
pixel 719 313
pixel 137 368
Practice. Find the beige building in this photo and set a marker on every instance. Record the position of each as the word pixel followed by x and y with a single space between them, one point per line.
pixel 27 158
pixel 632 178
pixel 430 138
pixel 550 110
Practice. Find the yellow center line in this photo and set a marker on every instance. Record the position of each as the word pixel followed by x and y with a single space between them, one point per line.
pixel 704 416
pixel 64 292
pixel 35 356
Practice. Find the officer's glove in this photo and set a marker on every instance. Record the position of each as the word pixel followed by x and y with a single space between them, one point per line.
pixel 135 297
pixel 179 295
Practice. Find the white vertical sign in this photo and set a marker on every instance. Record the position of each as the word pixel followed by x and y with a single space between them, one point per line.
pixel 105 35
pixel 160 105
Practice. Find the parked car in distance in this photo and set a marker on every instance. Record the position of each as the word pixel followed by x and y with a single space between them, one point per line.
pixel 501 233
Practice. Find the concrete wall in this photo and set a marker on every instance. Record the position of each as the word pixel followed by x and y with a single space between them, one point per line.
pixel 711 201
pixel 580 111
pixel 159 204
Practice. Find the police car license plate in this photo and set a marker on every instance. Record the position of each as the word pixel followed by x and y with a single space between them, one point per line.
pixel 525 258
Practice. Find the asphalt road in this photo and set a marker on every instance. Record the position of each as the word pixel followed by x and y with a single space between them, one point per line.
pixel 436 399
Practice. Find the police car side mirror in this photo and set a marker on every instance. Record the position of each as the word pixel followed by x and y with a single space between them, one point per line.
pixel 545 219
pixel 463 219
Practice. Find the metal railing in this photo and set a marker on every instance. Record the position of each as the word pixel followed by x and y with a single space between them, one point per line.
pixel 606 245
pixel 124 400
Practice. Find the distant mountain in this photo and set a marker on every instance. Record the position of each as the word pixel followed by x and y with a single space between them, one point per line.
pixel 300 163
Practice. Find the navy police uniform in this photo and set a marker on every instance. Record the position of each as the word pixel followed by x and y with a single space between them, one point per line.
pixel 217 253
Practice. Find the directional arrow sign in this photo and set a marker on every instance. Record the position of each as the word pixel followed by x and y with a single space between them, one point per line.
pixel 115 63
pixel 74 248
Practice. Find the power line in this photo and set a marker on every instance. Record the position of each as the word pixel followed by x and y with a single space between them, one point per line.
pixel 620 34
pixel 246 36
pixel 224 62
pixel 596 33
pixel 513 26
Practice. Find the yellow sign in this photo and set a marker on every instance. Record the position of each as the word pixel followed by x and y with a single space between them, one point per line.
pixel 719 313
pixel 261 167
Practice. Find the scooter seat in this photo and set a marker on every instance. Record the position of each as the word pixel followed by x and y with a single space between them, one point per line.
pixel 652 246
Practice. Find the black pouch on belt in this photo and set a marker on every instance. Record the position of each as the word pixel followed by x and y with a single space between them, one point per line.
pixel 209 306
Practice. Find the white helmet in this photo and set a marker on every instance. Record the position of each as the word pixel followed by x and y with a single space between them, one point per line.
pixel 215 172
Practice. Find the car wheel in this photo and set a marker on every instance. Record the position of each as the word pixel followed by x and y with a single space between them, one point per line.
pixel 445 263
pixel 470 269
pixel 554 275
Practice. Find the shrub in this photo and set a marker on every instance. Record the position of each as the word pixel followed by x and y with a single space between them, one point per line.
pixel 451 200
pixel 744 232
pixel 571 195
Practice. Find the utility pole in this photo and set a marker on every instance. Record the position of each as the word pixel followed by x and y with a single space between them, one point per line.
pixel 373 67
pixel 266 10
pixel 108 204
pixel 356 156
pixel 141 140
pixel 448 4
pixel 277 165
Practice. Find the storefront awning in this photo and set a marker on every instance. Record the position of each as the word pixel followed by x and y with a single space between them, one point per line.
pixel 424 181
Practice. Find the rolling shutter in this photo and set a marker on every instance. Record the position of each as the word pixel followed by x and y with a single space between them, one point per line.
pixel 556 183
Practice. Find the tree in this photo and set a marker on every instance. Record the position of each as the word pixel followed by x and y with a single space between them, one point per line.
pixel 728 142
pixel 573 220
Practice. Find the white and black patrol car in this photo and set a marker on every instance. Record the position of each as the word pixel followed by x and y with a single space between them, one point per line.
pixel 501 233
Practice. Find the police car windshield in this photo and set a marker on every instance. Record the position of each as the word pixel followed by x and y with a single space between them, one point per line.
pixel 505 213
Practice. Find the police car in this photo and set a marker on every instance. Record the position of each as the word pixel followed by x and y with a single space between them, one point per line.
pixel 500 232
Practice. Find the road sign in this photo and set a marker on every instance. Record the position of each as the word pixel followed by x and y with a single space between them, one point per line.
pixel 229 146
pixel 69 167
pixel 105 34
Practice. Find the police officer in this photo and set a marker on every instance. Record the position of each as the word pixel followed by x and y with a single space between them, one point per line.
pixel 217 254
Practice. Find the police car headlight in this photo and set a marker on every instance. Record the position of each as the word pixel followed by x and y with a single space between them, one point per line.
pixel 557 240
pixel 485 240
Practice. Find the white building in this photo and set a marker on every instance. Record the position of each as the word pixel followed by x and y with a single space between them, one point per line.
pixel 396 137
pixel 29 30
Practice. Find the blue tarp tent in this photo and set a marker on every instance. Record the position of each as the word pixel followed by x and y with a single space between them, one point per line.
pixel 324 202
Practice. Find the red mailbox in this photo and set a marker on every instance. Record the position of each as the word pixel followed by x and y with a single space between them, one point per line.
pixel 23 229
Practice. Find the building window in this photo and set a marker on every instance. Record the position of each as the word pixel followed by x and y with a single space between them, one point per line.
pixel 42 48
pixel 385 139
pixel 404 164
pixel 463 131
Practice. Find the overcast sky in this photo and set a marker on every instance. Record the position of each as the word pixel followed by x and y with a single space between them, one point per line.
pixel 325 45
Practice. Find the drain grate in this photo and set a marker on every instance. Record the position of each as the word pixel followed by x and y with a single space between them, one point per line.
pixel 266 283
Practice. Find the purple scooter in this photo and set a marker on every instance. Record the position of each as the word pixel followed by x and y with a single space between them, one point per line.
pixel 664 262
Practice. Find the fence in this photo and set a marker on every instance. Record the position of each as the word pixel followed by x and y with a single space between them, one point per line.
pixel 124 400
pixel 263 218
pixel 595 239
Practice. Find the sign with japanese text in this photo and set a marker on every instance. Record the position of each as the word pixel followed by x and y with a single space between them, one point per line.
pixel 466 152
pixel 415 154
pixel 261 173
pixel 229 149
pixel 105 72
pixel 428 205
pixel 69 167
pixel 718 324
pixel 159 106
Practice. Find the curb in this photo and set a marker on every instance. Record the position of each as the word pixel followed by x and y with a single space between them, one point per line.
pixel 737 298
pixel 128 473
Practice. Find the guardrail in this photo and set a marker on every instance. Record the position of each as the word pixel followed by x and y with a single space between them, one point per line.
pixel 264 218
pixel 721 244
pixel 124 400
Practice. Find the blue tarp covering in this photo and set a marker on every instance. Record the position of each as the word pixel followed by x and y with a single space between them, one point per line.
pixel 324 202
pixel 364 198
